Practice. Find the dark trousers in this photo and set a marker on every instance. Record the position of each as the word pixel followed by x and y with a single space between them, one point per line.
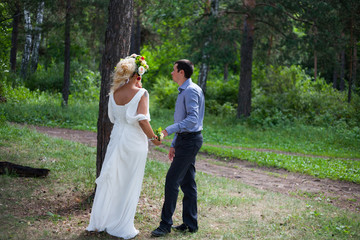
pixel 182 173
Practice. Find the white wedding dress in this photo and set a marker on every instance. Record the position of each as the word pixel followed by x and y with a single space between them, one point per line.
pixel 119 184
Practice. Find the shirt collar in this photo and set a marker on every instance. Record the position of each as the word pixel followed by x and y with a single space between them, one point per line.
pixel 184 85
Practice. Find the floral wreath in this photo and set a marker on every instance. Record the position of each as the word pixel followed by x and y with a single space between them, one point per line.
pixel 141 65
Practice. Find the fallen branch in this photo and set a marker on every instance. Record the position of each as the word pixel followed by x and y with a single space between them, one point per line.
pixel 22 171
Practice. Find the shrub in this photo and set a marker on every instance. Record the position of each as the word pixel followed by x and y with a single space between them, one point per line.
pixel 164 93
pixel 286 94
pixel 47 79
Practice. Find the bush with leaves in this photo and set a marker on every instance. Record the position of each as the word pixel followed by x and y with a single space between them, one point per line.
pixel 285 94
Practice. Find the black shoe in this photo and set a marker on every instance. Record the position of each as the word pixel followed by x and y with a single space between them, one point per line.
pixel 183 228
pixel 159 232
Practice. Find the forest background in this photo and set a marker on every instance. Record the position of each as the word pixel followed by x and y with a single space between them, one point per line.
pixel 303 55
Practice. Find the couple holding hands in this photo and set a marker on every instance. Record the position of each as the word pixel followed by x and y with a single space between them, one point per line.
pixel 119 184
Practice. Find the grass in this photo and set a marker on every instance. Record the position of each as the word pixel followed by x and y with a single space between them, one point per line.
pixel 333 168
pixel 57 207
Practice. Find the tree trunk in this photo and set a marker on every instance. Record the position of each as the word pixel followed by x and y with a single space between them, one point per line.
pixel 355 60
pixel 14 38
pixel 136 34
pixel 204 70
pixel 117 45
pixel 315 65
pixel 353 56
pixel 226 72
pixel 66 84
pixel 342 71
pixel 315 53
pixel 335 74
pixel 27 46
pixel 37 37
pixel 211 8
pixel 247 45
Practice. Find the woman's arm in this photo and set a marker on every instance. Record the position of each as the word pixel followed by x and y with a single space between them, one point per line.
pixel 145 124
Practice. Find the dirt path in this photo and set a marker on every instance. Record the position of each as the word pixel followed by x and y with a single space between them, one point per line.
pixel 341 194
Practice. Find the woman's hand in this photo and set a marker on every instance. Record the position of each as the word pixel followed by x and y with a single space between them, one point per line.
pixel 156 141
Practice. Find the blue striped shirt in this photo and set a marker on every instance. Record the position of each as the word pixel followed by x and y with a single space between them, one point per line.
pixel 189 110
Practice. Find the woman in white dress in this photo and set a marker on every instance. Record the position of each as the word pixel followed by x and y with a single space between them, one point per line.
pixel 119 184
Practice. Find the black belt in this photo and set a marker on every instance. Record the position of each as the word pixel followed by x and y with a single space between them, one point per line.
pixel 188 133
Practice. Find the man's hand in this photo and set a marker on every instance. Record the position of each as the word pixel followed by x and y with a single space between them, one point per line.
pixel 165 133
pixel 171 153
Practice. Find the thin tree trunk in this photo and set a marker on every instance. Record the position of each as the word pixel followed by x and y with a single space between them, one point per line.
pixel 315 53
pixel 269 49
pixel 204 70
pixel 37 37
pixel 66 84
pixel 212 8
pixel 355 60
pixel 117 45
pixel 226 72
pixel 247 45
pixel 342 71
pixel 136 34
pixel 27 47
pixel 315 65
pixel 353 56
pixel 336 72
pixel 14 38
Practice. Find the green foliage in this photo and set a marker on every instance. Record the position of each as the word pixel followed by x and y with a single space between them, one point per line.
pixel 164 93
pixel 5 37
pixel 221 97
pixel 286 94
pixel 48 78
pixel 85 84
pixel 42 108
pixel 161 60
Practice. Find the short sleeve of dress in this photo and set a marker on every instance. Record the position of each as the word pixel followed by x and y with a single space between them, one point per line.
pixel 131 113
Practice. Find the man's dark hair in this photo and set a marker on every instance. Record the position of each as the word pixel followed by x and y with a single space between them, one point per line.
pixel 185 65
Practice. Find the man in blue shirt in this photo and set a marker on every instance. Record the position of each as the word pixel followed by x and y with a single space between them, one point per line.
pixel 188 123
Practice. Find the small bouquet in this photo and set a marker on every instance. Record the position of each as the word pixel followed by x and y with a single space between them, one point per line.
pixel 159 134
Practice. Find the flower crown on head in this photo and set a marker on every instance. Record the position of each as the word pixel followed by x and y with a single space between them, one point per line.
pixel 141 65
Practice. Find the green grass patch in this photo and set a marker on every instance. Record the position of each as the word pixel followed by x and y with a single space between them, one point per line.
pixel 337 169
pixel 56 207
pixel 333 168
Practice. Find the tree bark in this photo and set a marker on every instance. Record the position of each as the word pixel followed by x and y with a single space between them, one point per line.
pixel 342 71
pixel 204 70
pixel 353 56
pixel 14 38
pixel 136 34
pixel 211 8
pixel 226 72
pixel 66 84
pixel 247 45
pixel 335 72
pixel 37 37
pixel 27 46
pixel 117 45
pixel 315 53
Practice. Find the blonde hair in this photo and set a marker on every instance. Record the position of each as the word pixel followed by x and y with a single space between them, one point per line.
pixel 123 71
